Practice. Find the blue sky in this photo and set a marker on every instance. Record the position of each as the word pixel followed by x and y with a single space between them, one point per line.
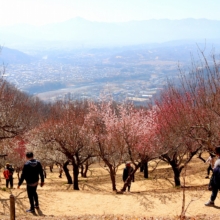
pixel 39 12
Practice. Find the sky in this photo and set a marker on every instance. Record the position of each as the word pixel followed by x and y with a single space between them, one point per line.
pixel 40 12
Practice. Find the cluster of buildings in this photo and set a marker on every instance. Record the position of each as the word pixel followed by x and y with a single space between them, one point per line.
pixel 51 81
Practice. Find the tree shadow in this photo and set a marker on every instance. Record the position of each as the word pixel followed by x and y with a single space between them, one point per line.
pixel 39 212
pixel 68 186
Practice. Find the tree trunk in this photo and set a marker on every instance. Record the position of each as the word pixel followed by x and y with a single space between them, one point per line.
pixel 176 171
pixel 112 176
pixel 66 171
pixel 51 168
pixel 201 158
pixel 142 168
pixel 18 173
pixel 145 169
pixel 75 177
pixel 82 169
pixel 86 169
pixel 45 173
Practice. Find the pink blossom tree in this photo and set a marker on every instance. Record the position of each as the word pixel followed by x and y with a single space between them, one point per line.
pixel 121 133
pixel 137 127
pixel 105 134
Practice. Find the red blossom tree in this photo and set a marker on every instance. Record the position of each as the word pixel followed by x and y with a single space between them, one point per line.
pixel 64 132
pixel 182 131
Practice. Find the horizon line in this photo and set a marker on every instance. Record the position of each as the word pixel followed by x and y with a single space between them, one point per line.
pixel 107 22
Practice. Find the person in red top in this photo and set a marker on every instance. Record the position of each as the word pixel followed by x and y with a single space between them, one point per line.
pixel 8 174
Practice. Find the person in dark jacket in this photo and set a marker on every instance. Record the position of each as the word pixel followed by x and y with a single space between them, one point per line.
pixel 216 179
pixel 126 173
pixel 30 173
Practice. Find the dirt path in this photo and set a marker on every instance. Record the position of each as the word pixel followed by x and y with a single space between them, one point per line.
pixel 149 198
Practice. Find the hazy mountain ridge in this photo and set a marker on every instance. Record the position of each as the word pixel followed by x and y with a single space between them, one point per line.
pixel 78 32
pixel 178 51
pixel 12 56
pixel 83 58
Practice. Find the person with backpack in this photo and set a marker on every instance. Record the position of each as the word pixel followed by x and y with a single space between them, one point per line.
pixel 31 171
pixel 215 179
pixel 8 174
pixel 128 170
pixel 211 161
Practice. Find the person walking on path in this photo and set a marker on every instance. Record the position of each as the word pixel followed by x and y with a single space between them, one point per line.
pixel 216 179
pixel 30 173
pixel 211 162
pixel 126 173
pixel 8 174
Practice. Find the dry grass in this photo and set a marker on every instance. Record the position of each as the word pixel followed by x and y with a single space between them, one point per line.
pixel 151 195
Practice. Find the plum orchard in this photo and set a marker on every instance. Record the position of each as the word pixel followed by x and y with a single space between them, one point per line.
pixel 181 122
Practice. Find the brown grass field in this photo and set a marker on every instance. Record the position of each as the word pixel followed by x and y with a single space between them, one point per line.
pixel 153 198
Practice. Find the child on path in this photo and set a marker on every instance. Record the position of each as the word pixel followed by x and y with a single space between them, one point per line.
pixel 8 174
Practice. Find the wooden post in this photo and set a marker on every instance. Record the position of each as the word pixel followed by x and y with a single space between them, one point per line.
pixel 12 207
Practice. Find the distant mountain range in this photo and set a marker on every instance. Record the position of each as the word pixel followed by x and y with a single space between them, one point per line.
pixel 12 56
pixel 178 51
pixel 81 33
